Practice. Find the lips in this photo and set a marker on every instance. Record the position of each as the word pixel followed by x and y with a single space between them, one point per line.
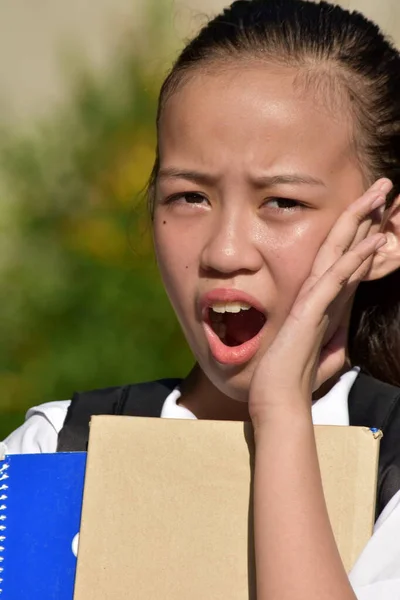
pixel 229 349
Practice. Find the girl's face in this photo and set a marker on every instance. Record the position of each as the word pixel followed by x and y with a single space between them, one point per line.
pixel 254 171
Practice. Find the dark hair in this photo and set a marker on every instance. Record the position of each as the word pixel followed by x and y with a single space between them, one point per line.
pixel 324 41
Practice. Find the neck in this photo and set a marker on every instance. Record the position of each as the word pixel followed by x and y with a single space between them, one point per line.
pixel 206 401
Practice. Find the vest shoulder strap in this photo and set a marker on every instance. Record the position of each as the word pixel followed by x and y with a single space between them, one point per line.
pixel 373 403
pixel 139 400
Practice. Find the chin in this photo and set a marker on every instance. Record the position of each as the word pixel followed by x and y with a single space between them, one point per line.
pixel 232 382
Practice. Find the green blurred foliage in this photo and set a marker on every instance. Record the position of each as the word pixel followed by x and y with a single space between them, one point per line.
pixel 82 305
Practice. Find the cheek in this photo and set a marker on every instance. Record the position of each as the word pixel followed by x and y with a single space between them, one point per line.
pixel 176 257
pixel 290 256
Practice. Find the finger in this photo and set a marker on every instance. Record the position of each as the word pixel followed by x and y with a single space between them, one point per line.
pixel 349 289
pixel 352 224
pixel 383 187
pixel 335 281
pixel 361 273
pixel 351 227
pixel 320 310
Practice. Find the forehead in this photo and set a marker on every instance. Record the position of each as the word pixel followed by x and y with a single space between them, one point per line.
pixel 254 117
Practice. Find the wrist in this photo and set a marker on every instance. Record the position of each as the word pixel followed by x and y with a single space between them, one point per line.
pixel 291 414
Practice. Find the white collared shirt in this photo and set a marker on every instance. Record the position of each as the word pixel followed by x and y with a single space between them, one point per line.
pixel 376 574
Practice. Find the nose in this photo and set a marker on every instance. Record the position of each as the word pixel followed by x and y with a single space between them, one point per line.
pixel 231 246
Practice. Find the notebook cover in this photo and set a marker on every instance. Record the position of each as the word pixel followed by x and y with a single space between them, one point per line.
pixel 167 510
pixel 40 509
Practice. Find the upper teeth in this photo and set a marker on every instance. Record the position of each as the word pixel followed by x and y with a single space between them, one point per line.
pixel 230 307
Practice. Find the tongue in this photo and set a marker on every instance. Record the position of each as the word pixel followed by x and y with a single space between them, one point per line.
pixel 243 326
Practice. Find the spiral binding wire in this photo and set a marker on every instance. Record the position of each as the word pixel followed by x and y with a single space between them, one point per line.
pixel 3 517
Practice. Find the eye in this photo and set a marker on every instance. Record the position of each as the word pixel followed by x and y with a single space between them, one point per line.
pixel 283 204
pixel 192 198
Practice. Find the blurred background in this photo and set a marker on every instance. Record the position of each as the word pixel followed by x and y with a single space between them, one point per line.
pixel 81 302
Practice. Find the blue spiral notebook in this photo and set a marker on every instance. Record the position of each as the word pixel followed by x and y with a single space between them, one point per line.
pixel 40 511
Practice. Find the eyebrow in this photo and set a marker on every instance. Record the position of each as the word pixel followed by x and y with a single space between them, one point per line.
pixel 259 182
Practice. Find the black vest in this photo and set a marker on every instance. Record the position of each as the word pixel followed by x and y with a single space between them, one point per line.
pixel 372 403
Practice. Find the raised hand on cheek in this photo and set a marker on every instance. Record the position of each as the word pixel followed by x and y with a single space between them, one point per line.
pixel 311 345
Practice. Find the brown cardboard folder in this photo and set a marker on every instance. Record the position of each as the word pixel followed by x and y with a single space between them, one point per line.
pixel 167 511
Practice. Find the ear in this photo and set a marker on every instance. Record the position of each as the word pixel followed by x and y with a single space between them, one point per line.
pixel 387 258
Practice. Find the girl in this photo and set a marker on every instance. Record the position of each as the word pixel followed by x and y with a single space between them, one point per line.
pixel 275 205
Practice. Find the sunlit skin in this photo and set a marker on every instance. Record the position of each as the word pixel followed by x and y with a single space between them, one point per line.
pixel 253 174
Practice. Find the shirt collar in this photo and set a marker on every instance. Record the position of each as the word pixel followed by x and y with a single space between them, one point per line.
pixel 332 409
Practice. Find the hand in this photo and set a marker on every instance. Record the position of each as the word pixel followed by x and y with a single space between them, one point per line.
pixel 310 347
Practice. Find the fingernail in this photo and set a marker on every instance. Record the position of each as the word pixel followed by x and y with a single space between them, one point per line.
pixel 381 242
pixel 386 186
pixel 379 200
pixel 377 185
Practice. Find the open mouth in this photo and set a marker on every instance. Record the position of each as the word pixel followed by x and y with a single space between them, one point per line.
pixel 235 323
